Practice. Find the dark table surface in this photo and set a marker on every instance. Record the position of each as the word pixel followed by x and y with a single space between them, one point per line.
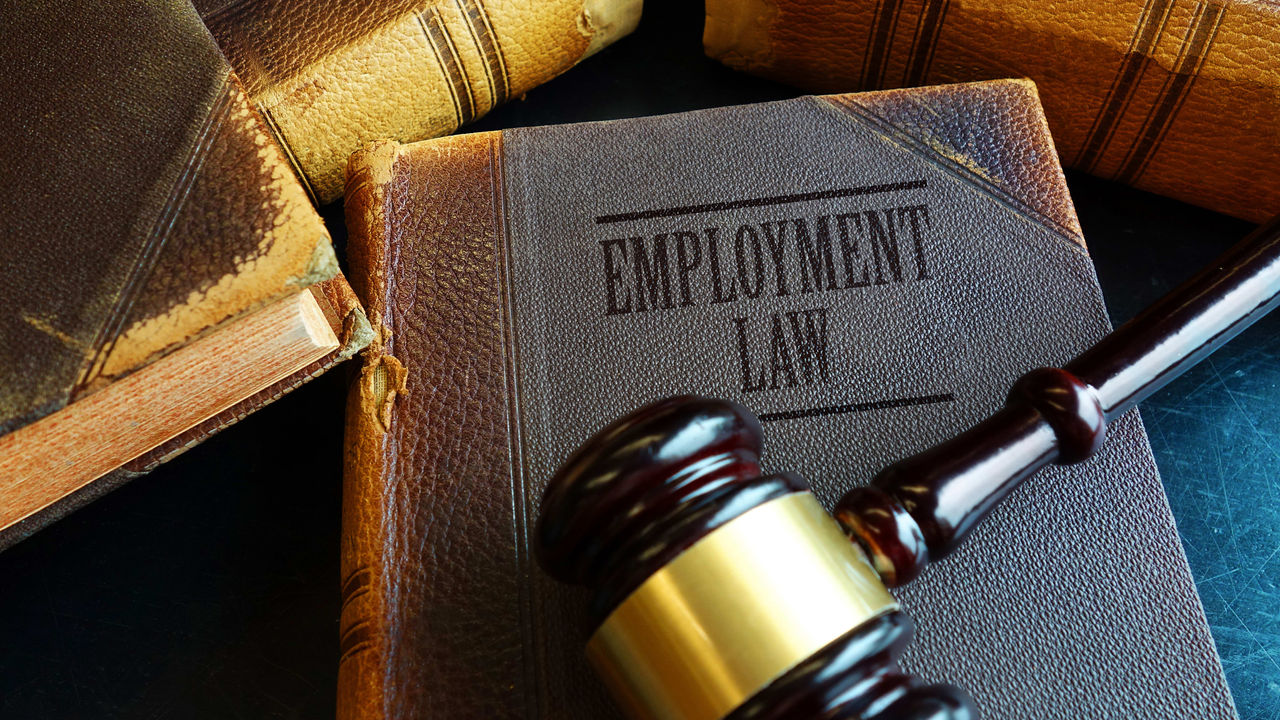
pixel 209 589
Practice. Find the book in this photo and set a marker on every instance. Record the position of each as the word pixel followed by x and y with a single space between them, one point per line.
pixel 164 271
pixel 332 75
pixel 1172 96
pixel 868 273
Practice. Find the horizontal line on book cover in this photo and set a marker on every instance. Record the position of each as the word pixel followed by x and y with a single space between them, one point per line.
pixel 858 407
pixel 760 202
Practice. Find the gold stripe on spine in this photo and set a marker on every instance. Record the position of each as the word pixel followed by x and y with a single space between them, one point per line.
pixel 735 611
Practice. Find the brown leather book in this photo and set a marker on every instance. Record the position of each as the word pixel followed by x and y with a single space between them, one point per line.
pixel 1173 96
pixel 332 75
pixel 164 272
pixel 868 272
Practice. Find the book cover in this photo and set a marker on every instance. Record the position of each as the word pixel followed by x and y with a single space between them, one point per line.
pixel 1173 96
pixel 146 210
pixel 332 75
pixel 868 273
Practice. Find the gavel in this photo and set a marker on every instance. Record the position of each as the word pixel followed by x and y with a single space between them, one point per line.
pixel 719 592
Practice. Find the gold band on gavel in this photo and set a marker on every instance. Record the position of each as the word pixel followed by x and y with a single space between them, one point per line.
pixel 735 611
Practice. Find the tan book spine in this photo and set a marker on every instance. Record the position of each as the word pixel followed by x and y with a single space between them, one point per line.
pixel 402 70
pixel 383 671
pixel 1178 97
pixel 362 650
pixel 365 434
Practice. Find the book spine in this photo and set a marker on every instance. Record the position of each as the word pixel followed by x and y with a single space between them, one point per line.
pixel 1172 96
pixel 362 650
pixel 417 75
pixel 428 240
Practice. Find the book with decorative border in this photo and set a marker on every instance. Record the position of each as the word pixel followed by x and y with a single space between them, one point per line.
pixel 868 273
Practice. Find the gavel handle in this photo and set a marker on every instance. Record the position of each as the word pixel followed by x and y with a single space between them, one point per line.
pixel 921 508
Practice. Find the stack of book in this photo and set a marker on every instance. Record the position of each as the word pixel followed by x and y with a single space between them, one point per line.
pixel 875 265
pixel 168 272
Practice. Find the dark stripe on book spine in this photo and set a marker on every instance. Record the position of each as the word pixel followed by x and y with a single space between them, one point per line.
pixel 1147 33
pixel 486 40
pixel 1196 46
pixel 925 41
pixel 356 637
pixel 359 583
pixel 355 640
pixel 879 43
pixel 227 8
pixel 447 54
pixel 760 202
pixel 858 407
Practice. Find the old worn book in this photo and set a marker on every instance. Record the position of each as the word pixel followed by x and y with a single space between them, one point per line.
pixel 331 75
pixel 163 271
pixel 1173 96
pixel 869 273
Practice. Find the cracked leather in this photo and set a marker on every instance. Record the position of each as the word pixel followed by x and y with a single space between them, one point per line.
pixel 1178 97
pixel 480 258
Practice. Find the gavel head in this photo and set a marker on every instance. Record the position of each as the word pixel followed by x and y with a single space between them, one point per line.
pixel 719 592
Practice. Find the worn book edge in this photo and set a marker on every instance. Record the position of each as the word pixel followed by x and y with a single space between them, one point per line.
pixel 61 453
pixel 295 251
pixel 345 317
pixel 380 379
pixel 373 550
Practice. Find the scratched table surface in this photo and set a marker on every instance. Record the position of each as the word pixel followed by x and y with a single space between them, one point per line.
pixel 209 589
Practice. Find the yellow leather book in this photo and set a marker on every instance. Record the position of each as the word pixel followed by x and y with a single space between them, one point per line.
pixel 333 75
pixel 1179 97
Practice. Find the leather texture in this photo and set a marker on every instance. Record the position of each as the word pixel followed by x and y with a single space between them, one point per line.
pixel 496 353
pixel 1178 97
pixel 146 202
pixel 332 75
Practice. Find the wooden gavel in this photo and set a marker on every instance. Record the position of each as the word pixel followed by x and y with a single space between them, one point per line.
pixel 721 593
